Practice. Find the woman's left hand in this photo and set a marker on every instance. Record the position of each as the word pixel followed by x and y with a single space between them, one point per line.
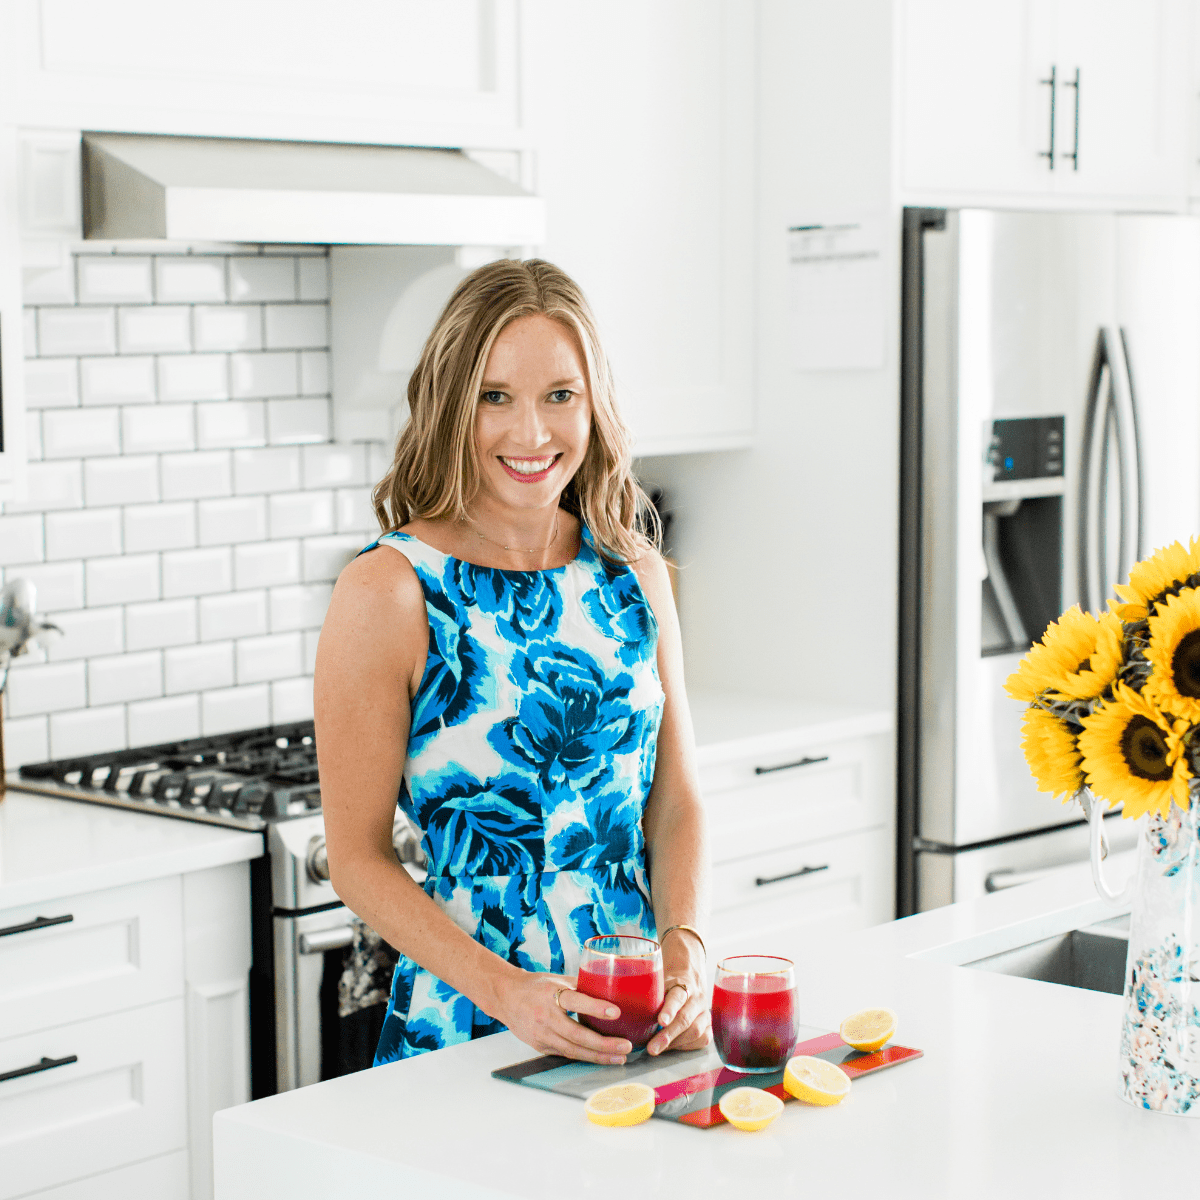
pixel 684 1015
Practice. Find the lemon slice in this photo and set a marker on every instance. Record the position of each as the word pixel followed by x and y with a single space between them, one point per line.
pixel 621 1104
pixel 749 1108
pixel 869 1029
pixel 815 1081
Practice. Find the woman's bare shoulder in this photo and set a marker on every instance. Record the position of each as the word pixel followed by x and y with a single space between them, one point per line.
pixel 651 570
pixel 380 582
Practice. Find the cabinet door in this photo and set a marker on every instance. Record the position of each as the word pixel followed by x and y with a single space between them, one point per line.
pixel 975 115
pixel 1128 115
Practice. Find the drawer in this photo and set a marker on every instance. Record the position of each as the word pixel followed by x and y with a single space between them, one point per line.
pixel 106 951
pixel 161 1178
pixel 793 796
pixel 122 1100
pixel 766 903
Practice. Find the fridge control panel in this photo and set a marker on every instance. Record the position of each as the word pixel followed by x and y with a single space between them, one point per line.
pixel 1026 448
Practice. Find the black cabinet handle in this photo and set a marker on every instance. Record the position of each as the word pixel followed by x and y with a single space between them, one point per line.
pixel 1052 83
pixel 37 923
pixel 1074 155
pixel 761 882
pixel 47 1064
pixel 800 762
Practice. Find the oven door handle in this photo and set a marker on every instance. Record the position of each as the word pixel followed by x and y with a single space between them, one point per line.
pixel 325 940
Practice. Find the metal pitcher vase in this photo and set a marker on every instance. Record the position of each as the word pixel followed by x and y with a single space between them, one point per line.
pixel 1160 1028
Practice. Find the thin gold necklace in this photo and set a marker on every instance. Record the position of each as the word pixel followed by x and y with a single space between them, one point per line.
pixel 518 549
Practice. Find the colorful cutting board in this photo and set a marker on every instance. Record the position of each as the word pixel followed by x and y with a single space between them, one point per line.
pixel 688 1084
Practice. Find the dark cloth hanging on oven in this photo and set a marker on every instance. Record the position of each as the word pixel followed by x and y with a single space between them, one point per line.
pixel 356 985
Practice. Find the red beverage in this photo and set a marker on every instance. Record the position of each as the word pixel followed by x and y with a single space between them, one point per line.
pixel 634 985
pixel 754 1021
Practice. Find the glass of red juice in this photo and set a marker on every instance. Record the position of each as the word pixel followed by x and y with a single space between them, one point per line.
pixel 754 1018
pixel 625 971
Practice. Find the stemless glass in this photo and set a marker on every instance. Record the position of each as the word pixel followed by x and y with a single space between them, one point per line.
pixel 626 971
pixel 754 1012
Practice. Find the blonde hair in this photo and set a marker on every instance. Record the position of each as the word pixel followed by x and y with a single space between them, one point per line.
pixel 435 472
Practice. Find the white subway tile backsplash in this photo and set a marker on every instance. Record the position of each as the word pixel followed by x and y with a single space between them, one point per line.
pixel 324 557
pixel 160 526
pixel 125 677
pixel 188 279
pixel 21 539
pixel 49 284
pixel 73 433
pixel 160 328
pixel 46 688
pixel 89 731
pixel 301 514
pixel 26 740
pixel 270 373
pixel 355 511
pixel 312 275
pixel 291 700
pixel 112 280
pixel 299 607
pixel 159 427
pixel 235 708
pixel 296 326
pixel 121 380
pixel 333 465
pixel 240 519
pixel 131 480
pixel 86 534
pixel 123 580
pixel 266 564
pixel 29 325
pixel 52 383
pixel 277 656
pixel 197 572
pixel 33 435
pixel 59 585
pixel 164 623
pixel 87 632
pixel 257 279
pixel 291 422
pixel 228 327
pixel 234 423
pixel 197 668
pixel 196 476
pixel 266 470
pixel 49 486
pixel 170 719
pixel 76 331
pixel 193 377
pixel 379 460
pixel 314 372
pixel 236 615
pixel 311 638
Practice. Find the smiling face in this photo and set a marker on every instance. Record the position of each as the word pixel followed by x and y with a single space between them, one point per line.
pixel 534 415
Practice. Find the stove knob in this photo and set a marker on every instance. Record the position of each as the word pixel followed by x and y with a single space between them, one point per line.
pixel 317 861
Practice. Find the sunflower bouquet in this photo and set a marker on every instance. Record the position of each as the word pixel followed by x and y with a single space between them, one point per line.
pixel 1114 700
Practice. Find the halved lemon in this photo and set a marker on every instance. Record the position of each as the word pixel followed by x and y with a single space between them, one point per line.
pixel 621 1104
pixel 749 1108
pixel 815 1081
pixel 869 1029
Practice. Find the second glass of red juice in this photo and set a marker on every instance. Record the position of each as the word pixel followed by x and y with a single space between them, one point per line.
pixel 754 1018
pixel 625 971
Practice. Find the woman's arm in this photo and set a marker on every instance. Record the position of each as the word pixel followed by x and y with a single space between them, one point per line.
pixel 676 851
pixel 369 663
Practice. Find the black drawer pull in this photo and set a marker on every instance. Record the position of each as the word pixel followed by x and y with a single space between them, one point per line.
pixel 802 762
pixel 37 923
pixel 761 882
pixel 47 1064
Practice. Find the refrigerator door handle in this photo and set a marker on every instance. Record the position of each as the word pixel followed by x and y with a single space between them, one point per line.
pixel 1092 583
pixel 1124 401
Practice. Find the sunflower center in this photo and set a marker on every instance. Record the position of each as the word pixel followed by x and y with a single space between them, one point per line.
pixel 1086 665
pixel 1185 664
pixel 1145 750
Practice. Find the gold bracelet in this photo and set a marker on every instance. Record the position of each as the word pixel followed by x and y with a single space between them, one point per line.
pixel 686 929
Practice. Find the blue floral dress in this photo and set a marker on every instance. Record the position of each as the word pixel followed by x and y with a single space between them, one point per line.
pixel 530 758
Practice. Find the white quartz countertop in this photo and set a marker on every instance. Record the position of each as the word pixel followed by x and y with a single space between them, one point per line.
pixel 51 848
pixel 1016 1096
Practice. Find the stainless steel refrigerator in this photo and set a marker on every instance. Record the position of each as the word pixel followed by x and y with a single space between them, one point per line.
pixel 1050 437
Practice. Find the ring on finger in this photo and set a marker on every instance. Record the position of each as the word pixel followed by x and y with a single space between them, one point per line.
pixel 686 992
pixel 556 998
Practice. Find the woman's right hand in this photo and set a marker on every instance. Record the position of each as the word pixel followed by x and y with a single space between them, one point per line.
pixel 530 1010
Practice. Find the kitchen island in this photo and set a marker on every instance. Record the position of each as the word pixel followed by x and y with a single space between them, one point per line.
pixel 1016 1095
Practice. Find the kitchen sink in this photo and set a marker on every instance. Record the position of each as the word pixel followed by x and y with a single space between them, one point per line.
pixel 1092 957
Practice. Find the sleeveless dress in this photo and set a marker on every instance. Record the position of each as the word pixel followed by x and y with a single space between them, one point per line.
pixel 530 759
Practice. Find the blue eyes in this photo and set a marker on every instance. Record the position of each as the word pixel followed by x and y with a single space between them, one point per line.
pixel 560 396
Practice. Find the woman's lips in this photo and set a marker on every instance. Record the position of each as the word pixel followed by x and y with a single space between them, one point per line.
pixel 524 477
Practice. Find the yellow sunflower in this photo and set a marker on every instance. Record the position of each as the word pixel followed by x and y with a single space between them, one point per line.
pixel 1174 653
pixel 1133 755
pixel 1051 753
pixel 1167 568
pixel 1078 657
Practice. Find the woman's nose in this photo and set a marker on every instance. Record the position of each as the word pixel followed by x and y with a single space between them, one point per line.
pixel 531 426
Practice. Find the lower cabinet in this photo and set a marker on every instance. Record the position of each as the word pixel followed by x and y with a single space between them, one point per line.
pixel 164 1177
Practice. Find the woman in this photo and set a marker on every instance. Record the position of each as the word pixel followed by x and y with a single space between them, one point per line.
pixel 507 661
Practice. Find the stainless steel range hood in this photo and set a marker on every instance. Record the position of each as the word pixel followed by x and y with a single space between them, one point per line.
pixel 235 190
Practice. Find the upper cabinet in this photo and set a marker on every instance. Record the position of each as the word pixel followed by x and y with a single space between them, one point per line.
pixel 1065 99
